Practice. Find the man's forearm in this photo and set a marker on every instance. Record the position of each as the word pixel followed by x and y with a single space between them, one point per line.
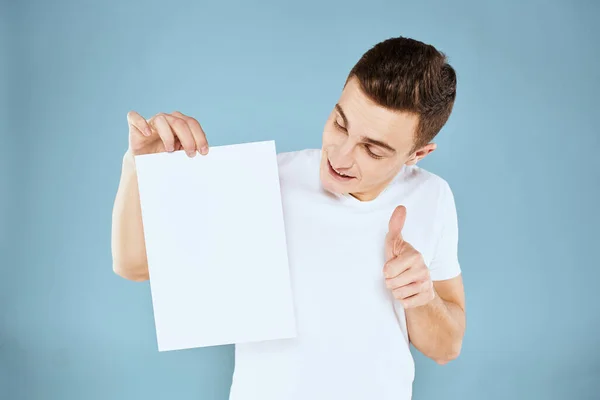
pixel 127 237
pixel 436 329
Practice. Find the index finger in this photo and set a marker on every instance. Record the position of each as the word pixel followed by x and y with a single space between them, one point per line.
pixel 396 266
pixel 197 132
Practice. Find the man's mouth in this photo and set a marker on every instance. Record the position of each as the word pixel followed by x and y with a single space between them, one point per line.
pixel 338 175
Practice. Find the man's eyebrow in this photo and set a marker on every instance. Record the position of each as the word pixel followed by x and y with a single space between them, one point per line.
pixel 364 138
pixel 378 143
pixel 339 110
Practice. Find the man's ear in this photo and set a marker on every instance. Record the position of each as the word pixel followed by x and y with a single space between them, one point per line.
pixel 421 153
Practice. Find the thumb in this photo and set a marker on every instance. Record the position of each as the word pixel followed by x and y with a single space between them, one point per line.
pixel 394 235
pixel 138 124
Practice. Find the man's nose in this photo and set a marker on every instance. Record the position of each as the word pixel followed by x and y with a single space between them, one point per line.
pixel 345 157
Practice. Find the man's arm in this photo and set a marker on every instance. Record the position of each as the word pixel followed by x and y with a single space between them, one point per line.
pixel 432 295
pixel 162 133
pixel 437 328
pixel 127 238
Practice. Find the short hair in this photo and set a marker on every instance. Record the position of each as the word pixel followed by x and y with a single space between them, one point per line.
pixel 407 75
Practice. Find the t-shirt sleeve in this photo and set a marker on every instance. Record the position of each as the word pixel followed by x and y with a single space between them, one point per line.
pixel 445 264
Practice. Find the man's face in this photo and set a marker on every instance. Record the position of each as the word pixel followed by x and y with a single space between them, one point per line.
pixel 366 142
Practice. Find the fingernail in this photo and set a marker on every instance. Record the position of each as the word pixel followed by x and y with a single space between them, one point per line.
pixel 204 150
pixel 191 153
pixel 147 132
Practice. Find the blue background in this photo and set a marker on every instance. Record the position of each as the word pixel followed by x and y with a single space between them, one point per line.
pixel 520 152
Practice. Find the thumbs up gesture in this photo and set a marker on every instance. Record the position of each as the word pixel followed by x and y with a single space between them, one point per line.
pixel 406 274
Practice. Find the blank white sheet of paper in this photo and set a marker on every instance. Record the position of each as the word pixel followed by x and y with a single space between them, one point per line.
pixel 216 246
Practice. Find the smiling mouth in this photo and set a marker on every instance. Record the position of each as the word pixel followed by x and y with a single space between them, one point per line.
pixel 338 175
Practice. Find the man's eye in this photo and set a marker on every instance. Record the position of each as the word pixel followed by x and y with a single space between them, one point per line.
pixel 337 124
pixel 375 156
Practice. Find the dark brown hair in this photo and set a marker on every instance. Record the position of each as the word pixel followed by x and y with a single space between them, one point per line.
pixel 406 75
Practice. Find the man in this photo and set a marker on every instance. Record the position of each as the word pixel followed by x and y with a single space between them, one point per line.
pixel 372 238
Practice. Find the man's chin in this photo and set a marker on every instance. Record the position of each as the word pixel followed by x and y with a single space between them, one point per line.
pixel 332 187
pixel 326 183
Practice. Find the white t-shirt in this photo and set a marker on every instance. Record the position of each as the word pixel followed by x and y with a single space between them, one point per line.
pixel 352 341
